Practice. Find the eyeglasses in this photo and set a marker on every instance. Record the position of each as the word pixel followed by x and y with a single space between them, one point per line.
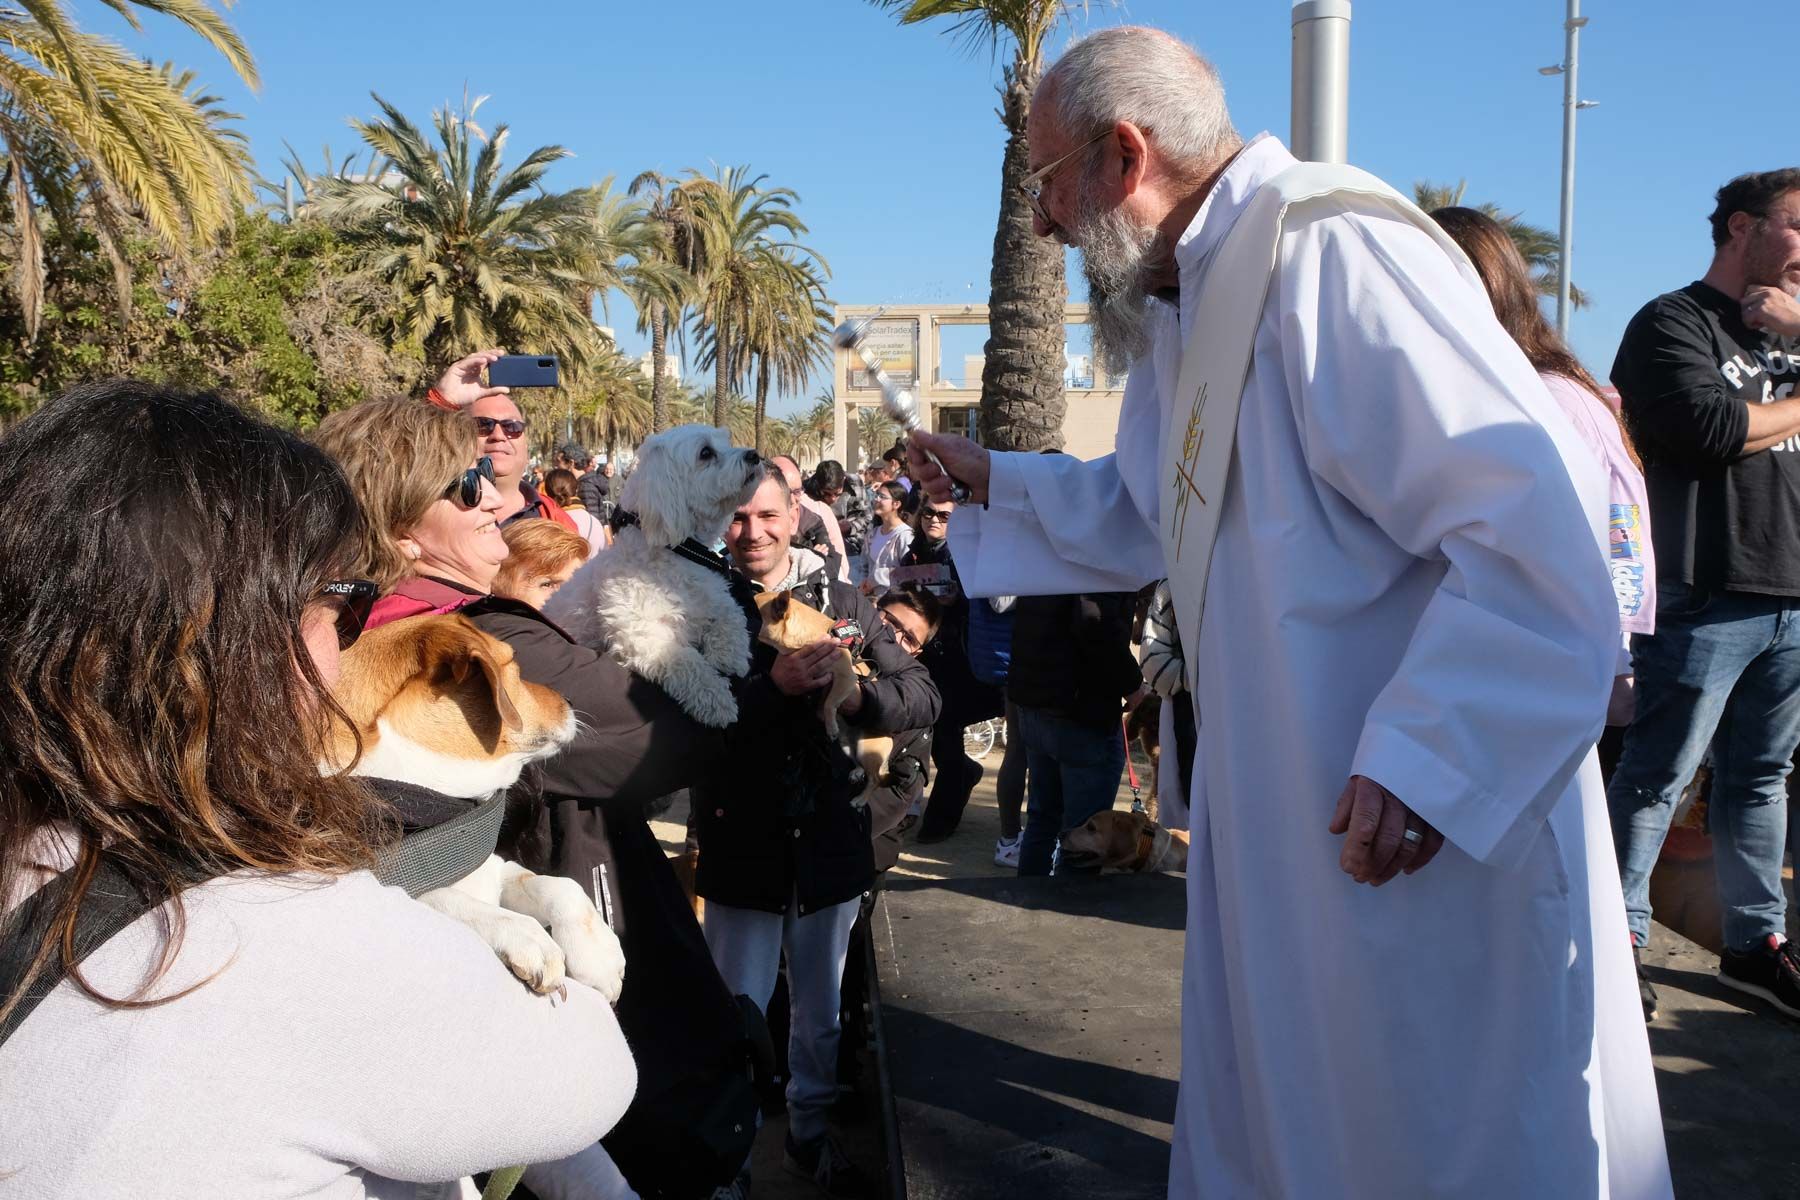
pixel 466 491
pixel 902 634
pixel 934 514
pixel 351 599
pixel 1033 184
pixel 514 429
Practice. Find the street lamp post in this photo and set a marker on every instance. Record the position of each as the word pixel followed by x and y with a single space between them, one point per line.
pixel 1320 98
pixel 1566 236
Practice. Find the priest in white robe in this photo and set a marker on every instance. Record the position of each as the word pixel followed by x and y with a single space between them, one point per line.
pixel 1407 633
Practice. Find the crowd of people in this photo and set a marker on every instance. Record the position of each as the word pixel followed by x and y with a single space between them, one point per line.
pixel 203 987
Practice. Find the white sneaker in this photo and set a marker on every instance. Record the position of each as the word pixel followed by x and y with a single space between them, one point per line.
pixel 1006 851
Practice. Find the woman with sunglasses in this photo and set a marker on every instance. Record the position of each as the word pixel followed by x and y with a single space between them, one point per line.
pixel 276 1021
pixel 432 540
pixel 427 545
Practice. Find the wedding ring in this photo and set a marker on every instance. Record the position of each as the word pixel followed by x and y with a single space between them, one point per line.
pixel 1413 836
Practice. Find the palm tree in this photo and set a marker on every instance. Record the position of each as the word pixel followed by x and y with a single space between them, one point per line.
pixel 1022 401
pixel 786 334
pixel 661 298
pixel 821 419
pixel 89 128
pixel 742 265
pixel 875 432
pixel 473 259
pixel 618 397
pixel 1540 248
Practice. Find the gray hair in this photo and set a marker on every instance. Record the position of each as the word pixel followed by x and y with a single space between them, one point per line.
pixel 1145 76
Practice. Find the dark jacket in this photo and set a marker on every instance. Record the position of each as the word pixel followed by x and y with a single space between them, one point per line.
pixel 636 743
pixel 908 771
pixel 811 535
pixel 1071 655
pixel 595 494
pixel 686 1031
pixel 780 823
pixel 966 699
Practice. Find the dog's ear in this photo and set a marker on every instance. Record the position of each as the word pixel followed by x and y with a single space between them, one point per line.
pixel 775 608
pixel 457 649
pixel 657 490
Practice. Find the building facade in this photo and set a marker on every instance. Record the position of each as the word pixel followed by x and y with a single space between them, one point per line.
pixel 935 352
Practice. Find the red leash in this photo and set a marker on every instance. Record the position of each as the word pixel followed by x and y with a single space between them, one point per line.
pixel 1137 798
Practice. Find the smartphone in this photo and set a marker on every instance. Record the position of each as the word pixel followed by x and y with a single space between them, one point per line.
pixel 523 370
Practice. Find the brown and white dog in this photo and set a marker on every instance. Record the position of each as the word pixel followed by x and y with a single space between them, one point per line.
pixel 1128 841
pixel 790 624
pixel 440 704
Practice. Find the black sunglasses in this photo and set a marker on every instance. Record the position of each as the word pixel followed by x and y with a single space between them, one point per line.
pixel 352 599
pixel 934 514
pixel 466 491
pixel 514 429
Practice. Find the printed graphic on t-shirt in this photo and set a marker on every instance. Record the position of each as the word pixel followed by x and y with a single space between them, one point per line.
pixel 1747 371
pixel 1625 553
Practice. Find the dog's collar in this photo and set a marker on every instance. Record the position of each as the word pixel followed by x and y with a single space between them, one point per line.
pixel 691 549
pixel 695 552
pixel 1146 847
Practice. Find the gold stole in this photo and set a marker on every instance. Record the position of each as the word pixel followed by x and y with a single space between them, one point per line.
pixel 1201 430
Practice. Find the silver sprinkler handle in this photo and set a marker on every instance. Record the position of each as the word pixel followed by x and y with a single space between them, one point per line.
pixel 903 408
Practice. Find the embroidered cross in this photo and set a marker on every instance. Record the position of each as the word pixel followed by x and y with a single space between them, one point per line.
pixel 1185 487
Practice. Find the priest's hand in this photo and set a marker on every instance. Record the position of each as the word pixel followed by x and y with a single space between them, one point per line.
pixel 1772 309
pixel 461 385
pixel 966 462
pixel 1378 848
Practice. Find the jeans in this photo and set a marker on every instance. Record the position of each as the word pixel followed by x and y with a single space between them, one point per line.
pixel 1009 784
pixel 1722 668
pixel 746 946
pixel 1073 772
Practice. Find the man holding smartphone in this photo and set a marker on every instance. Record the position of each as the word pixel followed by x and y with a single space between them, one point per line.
pixel 503 438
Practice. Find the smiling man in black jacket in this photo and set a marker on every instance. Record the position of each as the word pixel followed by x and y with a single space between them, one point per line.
pixel 785 851
pixel 1707 376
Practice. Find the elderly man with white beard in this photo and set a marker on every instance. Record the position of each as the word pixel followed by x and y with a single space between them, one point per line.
pixel 1400 639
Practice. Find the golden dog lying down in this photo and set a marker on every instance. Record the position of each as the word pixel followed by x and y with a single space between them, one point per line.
pixel 1128 841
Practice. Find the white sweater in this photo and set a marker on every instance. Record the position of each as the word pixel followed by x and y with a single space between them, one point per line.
pixel 352 1038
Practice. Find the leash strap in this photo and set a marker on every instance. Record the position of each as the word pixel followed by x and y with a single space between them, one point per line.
pixel 112 903
pixel 1137 798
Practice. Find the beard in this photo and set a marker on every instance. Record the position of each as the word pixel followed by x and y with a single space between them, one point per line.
pixel 1118 258
pixel 1768 265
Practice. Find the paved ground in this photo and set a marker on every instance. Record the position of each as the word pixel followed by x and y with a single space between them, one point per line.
pixel 1016 1064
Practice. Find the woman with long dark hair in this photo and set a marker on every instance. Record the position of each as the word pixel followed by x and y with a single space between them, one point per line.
pixel 1629 557
pixel 277 1022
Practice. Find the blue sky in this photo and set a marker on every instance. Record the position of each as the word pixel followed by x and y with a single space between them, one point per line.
pixel 889 134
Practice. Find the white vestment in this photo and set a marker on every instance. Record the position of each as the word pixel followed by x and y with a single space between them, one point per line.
pixel 1406 585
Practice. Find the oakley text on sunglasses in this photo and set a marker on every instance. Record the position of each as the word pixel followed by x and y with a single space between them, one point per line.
pixel 352 599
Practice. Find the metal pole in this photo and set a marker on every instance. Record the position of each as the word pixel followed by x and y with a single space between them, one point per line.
pixel 1566 248
pixel 1321 83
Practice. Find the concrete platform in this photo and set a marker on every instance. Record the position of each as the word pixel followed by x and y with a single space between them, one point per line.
pixel 1032 1035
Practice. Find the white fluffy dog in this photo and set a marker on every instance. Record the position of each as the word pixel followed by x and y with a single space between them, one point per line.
pixel 654 599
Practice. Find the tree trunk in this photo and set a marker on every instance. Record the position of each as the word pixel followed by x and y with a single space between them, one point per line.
pixel 721 379
pixel 1022 401
pixel 659 353
pixel 762 398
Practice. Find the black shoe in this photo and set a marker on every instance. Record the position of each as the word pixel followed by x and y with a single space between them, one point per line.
pixel 927 837
pixel 1770 969
pixel 1646 990
pixel 823 1161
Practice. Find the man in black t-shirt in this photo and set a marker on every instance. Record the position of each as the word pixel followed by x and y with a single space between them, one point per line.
pixel 1708 377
